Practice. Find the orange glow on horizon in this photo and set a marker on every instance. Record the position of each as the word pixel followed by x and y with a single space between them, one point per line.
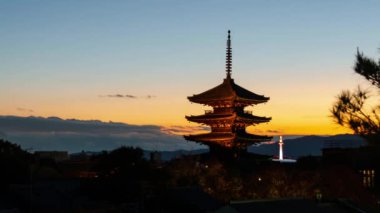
pixel 303 115
pixel 327 127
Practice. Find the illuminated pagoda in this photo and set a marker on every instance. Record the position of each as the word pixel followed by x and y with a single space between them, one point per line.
pixel 228 119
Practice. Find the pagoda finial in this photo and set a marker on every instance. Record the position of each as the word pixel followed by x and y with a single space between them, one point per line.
pixel 229 56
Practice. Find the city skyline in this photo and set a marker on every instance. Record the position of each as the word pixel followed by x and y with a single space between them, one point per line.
pixel 136 62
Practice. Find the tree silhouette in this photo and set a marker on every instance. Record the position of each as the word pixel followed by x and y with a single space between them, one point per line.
pixel 351 108
pixel 14 163
pixel 368 68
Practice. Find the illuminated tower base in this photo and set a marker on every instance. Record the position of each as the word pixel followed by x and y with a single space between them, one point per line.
pixel 281 158
pixel 280 155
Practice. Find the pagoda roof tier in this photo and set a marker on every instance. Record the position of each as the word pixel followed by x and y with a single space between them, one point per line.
pixel 244 117
pixel 227 138
pixel 228 91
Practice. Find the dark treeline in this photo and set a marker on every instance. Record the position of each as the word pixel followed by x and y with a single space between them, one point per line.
pixel 123 179
pixel 14 163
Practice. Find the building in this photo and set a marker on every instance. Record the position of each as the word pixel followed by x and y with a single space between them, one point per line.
pixel 228 119
pixel 365 160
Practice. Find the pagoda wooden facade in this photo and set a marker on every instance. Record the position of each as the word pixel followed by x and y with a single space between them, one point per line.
pixel 228 119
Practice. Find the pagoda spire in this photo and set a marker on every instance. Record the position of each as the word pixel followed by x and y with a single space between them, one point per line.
pixel 229 56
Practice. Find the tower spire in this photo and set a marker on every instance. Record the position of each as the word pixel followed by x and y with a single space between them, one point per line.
pixel 229 56
pixel 281 153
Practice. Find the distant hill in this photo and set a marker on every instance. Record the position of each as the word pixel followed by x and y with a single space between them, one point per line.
pixel 294 148
pixel 72 135
pixel 309 145
pixel 56 134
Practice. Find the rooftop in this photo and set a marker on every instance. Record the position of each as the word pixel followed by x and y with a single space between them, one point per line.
pixel 228 91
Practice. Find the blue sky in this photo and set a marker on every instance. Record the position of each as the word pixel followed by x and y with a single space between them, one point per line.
pixel 58 57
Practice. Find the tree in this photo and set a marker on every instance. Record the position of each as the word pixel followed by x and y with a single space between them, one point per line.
pixel 123 162
pixel 368 68
pixel 352 110
pixel 14 163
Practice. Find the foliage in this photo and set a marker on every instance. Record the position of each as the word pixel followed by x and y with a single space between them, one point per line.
pixel 368 68
pixel 120 173
pixel 351 108
pixel 124 162
pixel 273 181
pixel 14 163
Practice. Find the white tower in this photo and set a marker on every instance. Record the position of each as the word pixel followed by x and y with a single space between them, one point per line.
pixel 280 155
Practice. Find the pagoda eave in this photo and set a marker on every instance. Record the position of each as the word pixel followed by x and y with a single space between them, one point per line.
pixel 256 139
pixel 210 102
pixel 253 120
pixel 210 118
pixel 227 137
pixel 227 141
pixel 248 101
pixel 236 100
pixel 215 118
pixel 209 137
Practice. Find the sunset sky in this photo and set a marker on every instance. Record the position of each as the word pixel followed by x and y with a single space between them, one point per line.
pixel 73 59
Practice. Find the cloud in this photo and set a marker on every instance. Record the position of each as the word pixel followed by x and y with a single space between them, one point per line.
pixel 24 109
pixel 256 131
pixel 184 130
pixel 74 135
pixel 117 96
pixel 267 143
pixel 274 131
pixel 150 96
pixel 126 96
pixel 269 131
pixel 129 96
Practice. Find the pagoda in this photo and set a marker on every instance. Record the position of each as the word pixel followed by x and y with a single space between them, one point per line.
pixel 228 119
